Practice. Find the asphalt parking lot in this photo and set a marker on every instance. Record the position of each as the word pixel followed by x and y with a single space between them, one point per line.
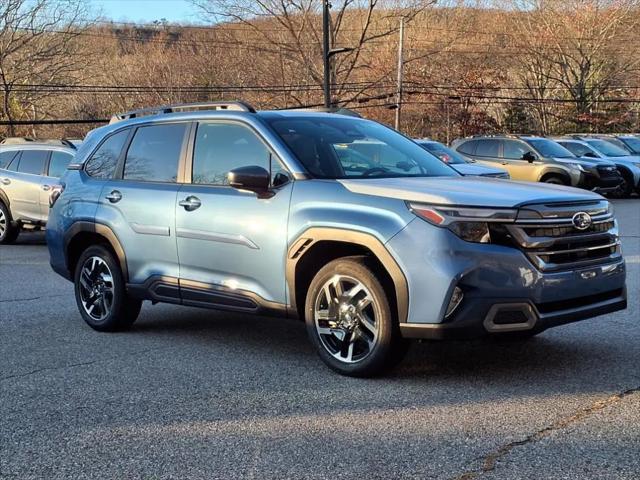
pixel 192 393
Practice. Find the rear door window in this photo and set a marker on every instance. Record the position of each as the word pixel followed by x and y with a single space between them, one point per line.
pixel 58 163
pixel 104 160
pixel 488 148
pixel 33 161
pixel 154 153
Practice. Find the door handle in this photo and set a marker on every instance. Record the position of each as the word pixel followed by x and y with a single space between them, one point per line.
pixel 6 181
pixel 46 188
pixel 114 197
pixel 190 203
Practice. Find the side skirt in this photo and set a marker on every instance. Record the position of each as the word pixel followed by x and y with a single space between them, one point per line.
pixel 162 289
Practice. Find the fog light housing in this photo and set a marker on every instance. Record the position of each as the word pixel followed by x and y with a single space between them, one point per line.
pixel 456 299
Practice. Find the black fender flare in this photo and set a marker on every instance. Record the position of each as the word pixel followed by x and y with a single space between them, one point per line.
pixel 99 229
pixel 309 237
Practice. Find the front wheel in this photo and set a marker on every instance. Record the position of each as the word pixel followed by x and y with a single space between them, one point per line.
pixel 349 319
pixel 100 292
pixel 554 180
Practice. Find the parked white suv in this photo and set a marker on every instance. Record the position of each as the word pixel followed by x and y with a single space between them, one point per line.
pixel 29 171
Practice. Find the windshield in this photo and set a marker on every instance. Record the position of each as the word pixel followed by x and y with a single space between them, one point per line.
pixel 443 153
pixel 607 148
pixel 549 148
pixel 632 143
pixel 337 147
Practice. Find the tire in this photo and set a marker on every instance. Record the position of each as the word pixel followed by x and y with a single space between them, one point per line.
pixel 364 318
pixel 625 189
pixel 8 230
pixel 555 180
pixel 103 303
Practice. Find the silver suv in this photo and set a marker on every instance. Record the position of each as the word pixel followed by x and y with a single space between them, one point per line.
pixel 29 173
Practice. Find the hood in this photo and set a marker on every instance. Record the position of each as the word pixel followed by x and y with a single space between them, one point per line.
pixel 592 162
pixel 467 191
pixel 474 169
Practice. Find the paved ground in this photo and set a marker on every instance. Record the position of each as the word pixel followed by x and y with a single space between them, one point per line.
pixel 194 394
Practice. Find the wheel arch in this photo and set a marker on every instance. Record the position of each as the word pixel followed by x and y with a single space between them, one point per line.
pixel 555 173
pixel 4 198
pixel 82 235
pixel 317 246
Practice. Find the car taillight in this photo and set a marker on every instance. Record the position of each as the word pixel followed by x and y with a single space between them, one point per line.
pixel 56 191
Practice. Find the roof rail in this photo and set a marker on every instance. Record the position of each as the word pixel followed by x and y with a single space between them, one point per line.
pixel 183 107
pixel 337 110
pixel 16 140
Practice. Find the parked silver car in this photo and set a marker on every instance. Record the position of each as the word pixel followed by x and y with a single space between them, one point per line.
pixel 588 146
pixel 29 173
pixel 459 162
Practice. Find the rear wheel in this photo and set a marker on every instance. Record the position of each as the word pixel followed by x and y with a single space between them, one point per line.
pixel 100 292
pixel 349 319
pixel 8 230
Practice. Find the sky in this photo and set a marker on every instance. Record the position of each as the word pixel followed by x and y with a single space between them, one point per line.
pixel 146 11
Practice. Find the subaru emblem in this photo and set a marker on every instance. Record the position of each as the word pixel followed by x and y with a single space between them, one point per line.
pixel 581 220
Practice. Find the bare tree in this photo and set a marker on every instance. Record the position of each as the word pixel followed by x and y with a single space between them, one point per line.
pixel 38 48
pixel 292 33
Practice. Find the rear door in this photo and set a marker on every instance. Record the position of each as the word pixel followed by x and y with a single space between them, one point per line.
pixel 24 185
pixel 139 202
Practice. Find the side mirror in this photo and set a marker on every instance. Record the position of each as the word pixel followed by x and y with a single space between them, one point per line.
pixel 590 155
pixel 529 157
pixel 253 178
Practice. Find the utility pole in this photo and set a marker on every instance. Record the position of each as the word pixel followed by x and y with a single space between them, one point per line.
pixel 326 56
pixel 400 70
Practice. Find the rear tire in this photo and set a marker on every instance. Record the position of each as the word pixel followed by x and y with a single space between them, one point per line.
pixel 349 319
pixel 100 292
pixel 8 230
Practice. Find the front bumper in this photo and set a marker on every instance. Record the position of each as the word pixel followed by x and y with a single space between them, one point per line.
pixel 497 281
pixel 601 183
pixel 479 316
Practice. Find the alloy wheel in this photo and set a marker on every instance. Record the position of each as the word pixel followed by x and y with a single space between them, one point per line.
pixel 96 288
pixel 3 223
pixel 345 319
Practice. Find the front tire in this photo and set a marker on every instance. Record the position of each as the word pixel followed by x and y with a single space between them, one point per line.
pixel 8 230
pixel 349 319
pixel 555 180
pixel 100 292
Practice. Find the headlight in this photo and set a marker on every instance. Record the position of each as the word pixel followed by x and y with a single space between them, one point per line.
pixel 470 224
pixel 576 166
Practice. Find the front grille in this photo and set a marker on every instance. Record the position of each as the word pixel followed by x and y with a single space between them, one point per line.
pixel 547 235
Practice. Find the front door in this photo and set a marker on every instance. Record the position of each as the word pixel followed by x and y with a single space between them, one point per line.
pixel 519 168
pixel 231 244
pixel 139 203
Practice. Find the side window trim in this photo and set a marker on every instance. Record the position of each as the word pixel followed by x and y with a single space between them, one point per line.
pixel 16 161
pixel 119 170
pixel 97 147
pixel 273 156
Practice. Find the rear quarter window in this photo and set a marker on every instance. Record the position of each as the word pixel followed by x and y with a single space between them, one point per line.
pixel 6 157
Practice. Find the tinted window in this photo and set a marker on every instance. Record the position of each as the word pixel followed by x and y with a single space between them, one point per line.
pixel 154 153
pixel 514 150
pixel 549 148
pixel 468 147
pixel 343 147
pixel 58 163
pixel 488 148
pixel 32 161
pixel 608 149
pixel 103 162
pixel 577 149
pixel 6 157
pixel 221 147
pixel 443 153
